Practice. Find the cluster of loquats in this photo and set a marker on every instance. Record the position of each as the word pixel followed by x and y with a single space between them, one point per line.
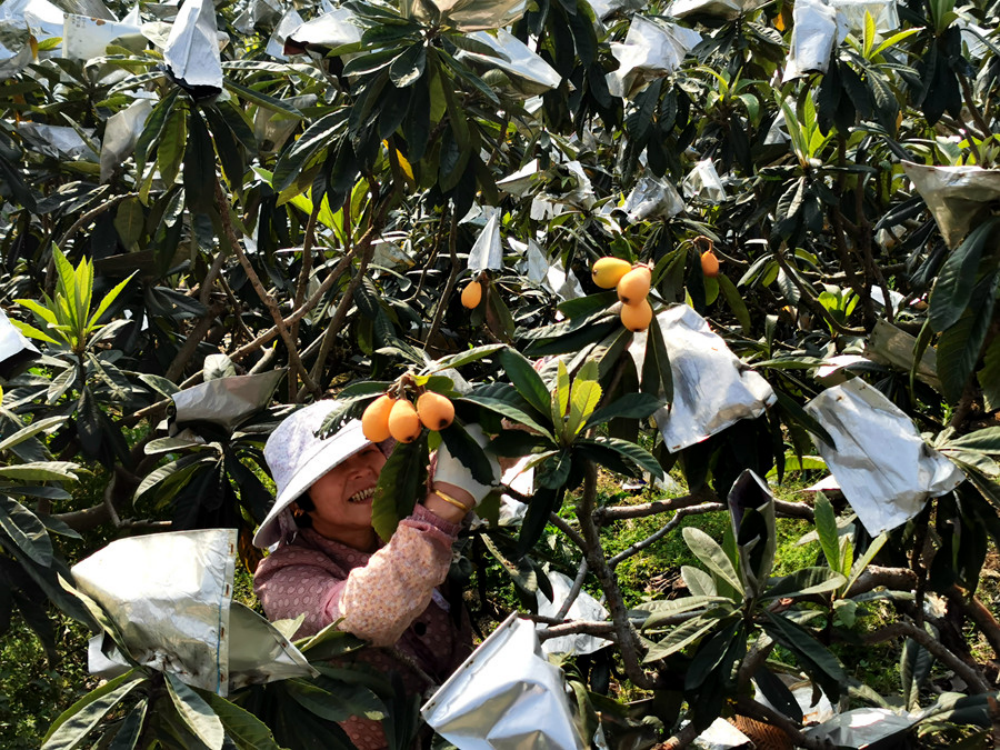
pixel 389 416
pixel 632 282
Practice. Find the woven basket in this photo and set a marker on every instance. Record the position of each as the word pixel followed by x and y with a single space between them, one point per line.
pixel 764 736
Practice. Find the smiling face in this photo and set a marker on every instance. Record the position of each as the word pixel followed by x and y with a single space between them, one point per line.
pixel 343 499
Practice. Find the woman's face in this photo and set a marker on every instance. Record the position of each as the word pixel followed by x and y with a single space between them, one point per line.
pixel 343 497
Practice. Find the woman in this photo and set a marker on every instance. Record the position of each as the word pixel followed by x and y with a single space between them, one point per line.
pixel 328 563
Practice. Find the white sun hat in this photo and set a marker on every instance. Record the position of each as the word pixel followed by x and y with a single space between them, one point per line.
pixel 298 458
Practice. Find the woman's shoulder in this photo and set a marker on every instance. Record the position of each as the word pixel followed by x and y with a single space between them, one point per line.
pixel 309 548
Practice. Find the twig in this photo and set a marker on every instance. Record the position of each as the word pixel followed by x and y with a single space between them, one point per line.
pixel 973 678
pixel 672 524
pixel 895 579
pixel 588 627
pixel 190 345
pixel 574 592
pixel 811 301
pixel 641 510
pixel 411 663
pixel 209 281
pixel 269 302
pixel 91 215
pixel 976 611
pixel 565 528
pixel 449 287
pixel 439 238
pixel 340 314
pixel 303 282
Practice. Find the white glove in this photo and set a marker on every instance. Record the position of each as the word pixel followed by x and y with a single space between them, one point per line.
pixel 449 469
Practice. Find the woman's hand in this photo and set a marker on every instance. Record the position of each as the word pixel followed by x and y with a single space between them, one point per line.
pixel 454 484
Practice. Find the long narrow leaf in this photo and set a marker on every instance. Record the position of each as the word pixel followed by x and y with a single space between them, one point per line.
pixel 76 722
pixel 712 556
pixel 197 715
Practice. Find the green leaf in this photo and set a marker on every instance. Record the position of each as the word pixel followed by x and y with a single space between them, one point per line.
pixel 41 471
pixel 469 453
pixel 662 610
pixel 559 399
pixel 197 716
pixel 699 582
pixel 263 100
pixel 633 453
pixel 681 637
pixel 472 355
pixel 199 167
pixel 989 376
pixel 402 479
pixel 893 41
pixel 331 641
pixel 584 398
pixel 245 730
pixel 525 379
pixel 712 556
pixel 129 733
pixel 804 582
pixel 77 721
pixel 986 440
pixel 26 531
pixel 961 344
pixel 629 406
pixel 317 700
pixel 777 693
pixel 864 561
pixel 825 667
pixel 585 307
pixel 109 298
pixel 37 426
pixel 711 653
pixel 507 409
pixel 130 219
pixel 172 144
pixel 953 288
pixel 543 503
pixel 409 66
pixel 826 528
pixel 33 333
pixel 40 310
pixel 792 409
pixel 657 376
pixel 735 301
pixel 165 472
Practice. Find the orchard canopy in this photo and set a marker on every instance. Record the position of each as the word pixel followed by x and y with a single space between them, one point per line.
pixel 211 213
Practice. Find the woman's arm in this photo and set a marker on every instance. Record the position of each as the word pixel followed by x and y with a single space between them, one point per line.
pixel 378 601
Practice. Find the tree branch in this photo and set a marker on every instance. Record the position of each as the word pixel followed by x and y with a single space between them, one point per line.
pixel 574 592
pixel 293 354
pixel 628 640
pixel 449 287
pixel 672 524
pixel 973 678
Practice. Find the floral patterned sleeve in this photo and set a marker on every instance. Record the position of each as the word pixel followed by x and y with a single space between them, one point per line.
pixel 377 601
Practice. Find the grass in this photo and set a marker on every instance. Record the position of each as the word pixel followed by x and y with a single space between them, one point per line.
pixel 32 691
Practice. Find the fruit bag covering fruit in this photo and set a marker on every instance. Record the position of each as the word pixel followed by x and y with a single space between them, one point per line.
pixel 712 388
pixel 884 468
pixel 505 695
pixel 170 597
